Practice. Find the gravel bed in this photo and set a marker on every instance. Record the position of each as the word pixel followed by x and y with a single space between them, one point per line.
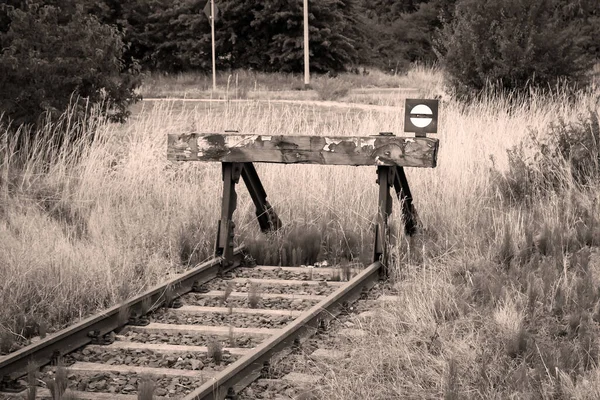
pixel 239 340
pixel 197 299
pixel 173 387
pixel 275 388
pixel 269 389
pixel 321 289
pixel 217 319
pixel 149 358
pixel 258 273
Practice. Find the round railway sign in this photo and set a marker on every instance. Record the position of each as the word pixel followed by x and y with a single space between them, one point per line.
pixel 420 116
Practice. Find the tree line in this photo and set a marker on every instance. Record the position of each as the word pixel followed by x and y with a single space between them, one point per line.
pixel 96 49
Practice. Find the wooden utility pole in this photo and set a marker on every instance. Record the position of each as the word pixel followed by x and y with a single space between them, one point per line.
pixel 212 35
pixel 306 49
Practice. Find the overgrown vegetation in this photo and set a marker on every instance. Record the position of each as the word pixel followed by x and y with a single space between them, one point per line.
pixel 499 294
pixel 254 295
pixel 306 243
pixel 215 351
pixel 565 153
pixel 146 389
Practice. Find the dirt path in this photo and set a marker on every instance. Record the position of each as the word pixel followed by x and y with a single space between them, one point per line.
pixel 339 104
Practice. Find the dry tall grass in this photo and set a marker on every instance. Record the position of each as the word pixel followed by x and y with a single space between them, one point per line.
pixel 84 227
pixel 241 84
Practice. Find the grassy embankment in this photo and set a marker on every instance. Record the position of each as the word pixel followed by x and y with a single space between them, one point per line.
pixel 499 296
pixel 349 87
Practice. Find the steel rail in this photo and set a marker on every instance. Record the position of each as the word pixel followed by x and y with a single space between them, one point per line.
pixel 247 369
pixel 15 365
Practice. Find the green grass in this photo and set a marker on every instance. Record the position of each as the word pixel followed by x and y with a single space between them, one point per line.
pixel 499 298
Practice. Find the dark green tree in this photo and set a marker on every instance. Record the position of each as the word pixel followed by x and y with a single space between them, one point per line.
pixel 263 35
pixel 405 31
pixel 513 45
pixel 49 57
pixel 268 35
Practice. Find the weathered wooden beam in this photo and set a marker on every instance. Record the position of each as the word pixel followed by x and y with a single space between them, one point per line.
pixel 326 150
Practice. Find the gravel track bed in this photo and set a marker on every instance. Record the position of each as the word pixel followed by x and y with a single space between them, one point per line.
pixel 275 389
pixel 218 319
pixel 173 387
pixel 258 273
pixel 149 358
pixel 322 289
pixel 239 340
pixel 197 299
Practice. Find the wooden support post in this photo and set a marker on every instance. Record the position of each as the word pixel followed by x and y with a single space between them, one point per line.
pixel 411 218
pixel 225 227
pixel 385 178
pixel 267 218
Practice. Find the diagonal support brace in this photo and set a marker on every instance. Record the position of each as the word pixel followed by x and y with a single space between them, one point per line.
pixel 267 218
pixel 411 218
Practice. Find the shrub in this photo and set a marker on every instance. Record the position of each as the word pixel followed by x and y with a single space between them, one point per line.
pixel 512 45
pixel 549 161
pixel 215 351
pixel 41 75
pixel 254 295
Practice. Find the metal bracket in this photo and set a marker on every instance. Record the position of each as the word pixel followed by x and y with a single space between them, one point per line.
pixel 265 371
pixel 9 385
pixel 199 288
pixel 141 320
pixel 175 303
pixel 99 339
pixel 231 395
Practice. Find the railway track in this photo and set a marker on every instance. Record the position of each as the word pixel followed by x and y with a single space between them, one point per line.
pixel 207 334
pixel 212 331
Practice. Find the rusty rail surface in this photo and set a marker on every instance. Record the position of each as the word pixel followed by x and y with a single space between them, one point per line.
pixel 247 369
pixel 14 365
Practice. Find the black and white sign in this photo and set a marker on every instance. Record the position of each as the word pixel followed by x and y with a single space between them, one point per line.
pixel 420 115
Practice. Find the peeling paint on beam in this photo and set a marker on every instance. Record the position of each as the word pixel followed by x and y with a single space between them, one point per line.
pixel 325 150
